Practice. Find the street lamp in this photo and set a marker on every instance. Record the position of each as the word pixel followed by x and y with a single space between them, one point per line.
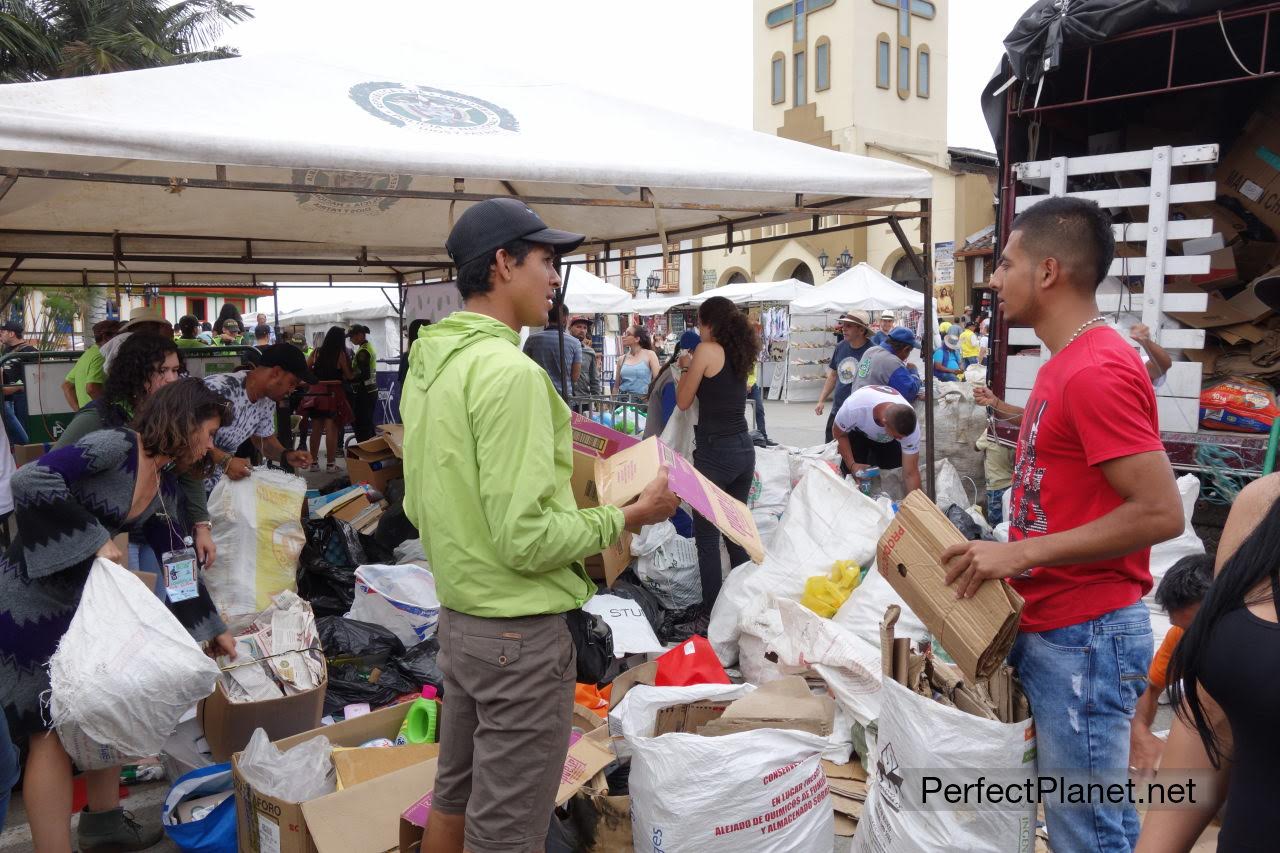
pixel 654 280
pixel 844 261
pixel 823 259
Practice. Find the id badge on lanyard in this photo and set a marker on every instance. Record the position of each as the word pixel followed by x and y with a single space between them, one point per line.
pixel 180 573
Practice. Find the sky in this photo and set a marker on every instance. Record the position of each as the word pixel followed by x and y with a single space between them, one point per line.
pixel 692 56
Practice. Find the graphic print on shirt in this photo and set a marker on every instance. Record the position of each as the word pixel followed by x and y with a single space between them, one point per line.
pixel 847 370
pixel 1028 511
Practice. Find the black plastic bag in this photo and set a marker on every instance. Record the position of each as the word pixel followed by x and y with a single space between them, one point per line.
pixel 326 568
pixel 349 684
pixel 679 625
pixel 419 665
pixel 348 640
pixel 628 586
pixel 966 525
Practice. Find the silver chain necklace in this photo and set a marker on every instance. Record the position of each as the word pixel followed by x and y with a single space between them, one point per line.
pixel 1080 331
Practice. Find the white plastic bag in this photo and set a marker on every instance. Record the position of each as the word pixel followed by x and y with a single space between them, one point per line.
pixel 827 520
pixel 632 633
pixel 259 537
pixel 763 791
pixel 678 432
pixel 770 489
pixel 862 612
pixel 401 599
pixel 917 734
pixel 667 565
pixel 126 670
pixel 296 775
pixel 849 664
pixel 1165 554
pixel 957 423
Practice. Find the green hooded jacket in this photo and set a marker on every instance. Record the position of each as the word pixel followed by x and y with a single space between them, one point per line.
pixel 488 455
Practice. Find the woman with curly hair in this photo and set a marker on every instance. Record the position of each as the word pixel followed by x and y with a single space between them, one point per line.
pixel 715 374
pixel 69 504
pixel 145 364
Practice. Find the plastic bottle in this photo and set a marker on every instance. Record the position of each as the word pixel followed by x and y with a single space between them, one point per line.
pixel 422 723
pixel 136 774
pixel 866 478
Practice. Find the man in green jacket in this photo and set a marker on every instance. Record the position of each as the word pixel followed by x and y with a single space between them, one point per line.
pixel 488 456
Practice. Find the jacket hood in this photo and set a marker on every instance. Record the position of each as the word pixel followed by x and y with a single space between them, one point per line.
pixel 438 343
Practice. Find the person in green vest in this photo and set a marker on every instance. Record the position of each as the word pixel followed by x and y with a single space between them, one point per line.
pixel 88 376
pixel 188 331
pixel 364 394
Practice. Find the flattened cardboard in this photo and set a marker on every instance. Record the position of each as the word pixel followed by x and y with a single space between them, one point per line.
pixel 623 476
pixel 977 632
pixel 394 434
pixel 363 819
pixel 269 825
pixel 592 441
pixel 229 725
pixel 646 674
pixel 786 703
pixel 1250 171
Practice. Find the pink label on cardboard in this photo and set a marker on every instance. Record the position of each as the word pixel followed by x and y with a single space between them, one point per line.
pixel 418 813
pixel 684 480
pixel 597 439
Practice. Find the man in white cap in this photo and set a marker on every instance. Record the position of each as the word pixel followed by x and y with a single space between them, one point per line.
pixel 887 322
pixel 149 319
pixel 843 368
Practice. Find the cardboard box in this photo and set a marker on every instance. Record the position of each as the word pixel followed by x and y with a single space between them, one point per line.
pixel 24 453
pixel 623 476
pixel 977 632
pixel 358 819
pixel 646 674
pixel 394 434
pixel 587 757
pixel 603 821
pixel 229 725
pixel 1250 172
pixel 592 441
pixel 374 462
pixel 356 766
pixel 786 703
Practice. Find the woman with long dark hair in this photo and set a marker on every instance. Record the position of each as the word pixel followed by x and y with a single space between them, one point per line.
pixel 715 375
pixel 325 402
pixel 638 365
pixel 69 504
pixel 1225 683
pixel 144 364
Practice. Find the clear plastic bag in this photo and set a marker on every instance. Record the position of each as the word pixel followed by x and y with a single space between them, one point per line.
pixel 295 775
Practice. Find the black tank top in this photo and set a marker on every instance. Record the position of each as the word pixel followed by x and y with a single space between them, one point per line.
pixel 722 403
pixel 1242 674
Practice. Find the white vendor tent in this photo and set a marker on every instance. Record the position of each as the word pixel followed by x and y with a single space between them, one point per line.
pixel 656 305
pixel 859 289
pixel 756 292
pixel 294 168
pixel 369 309
pixel 586 293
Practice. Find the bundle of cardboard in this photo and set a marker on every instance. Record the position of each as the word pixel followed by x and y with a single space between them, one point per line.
pixel 847 784
pixel 276 655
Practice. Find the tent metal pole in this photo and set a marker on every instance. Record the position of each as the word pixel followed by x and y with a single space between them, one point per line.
pixel 926 345
pixel 275 298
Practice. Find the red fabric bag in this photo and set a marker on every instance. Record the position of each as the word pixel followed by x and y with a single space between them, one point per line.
pixel 691 662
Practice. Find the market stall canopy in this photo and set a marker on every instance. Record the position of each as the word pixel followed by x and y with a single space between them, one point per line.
pixel 755 292
pixel 859 289
pixel 301 167
pixel 589 294
pixel 652 307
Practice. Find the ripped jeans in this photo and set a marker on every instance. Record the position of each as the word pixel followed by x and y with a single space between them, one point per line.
pixel 1083 682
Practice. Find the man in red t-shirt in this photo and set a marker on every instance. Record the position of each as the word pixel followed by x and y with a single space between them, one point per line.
pixel 1092 492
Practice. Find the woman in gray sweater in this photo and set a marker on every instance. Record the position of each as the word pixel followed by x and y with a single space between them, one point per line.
pixel 69 504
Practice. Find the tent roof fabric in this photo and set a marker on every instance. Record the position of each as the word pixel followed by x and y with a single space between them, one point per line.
pixel 756 292
pixel 859 289
pixel 586 293
pixel 288 166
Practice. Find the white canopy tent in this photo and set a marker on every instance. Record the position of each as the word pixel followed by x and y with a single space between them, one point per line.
pixel 372 310
pixel 859 289
pixel 589 294
pixel 756 292
pixel 654 306
pixel 303 167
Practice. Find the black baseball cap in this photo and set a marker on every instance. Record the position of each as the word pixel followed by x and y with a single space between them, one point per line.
pixel 287 357
pixel 494 222
pixel 12 326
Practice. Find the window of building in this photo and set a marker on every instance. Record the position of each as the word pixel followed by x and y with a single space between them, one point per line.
pixel 922 71
pixel 198 307
pixel 822 65
pixel 799 33
pixel 800 95
pixel 239 303
pixel 904 71
pixel 882 60
pixel 779 78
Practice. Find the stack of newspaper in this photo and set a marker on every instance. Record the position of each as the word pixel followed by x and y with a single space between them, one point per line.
pixel 277 655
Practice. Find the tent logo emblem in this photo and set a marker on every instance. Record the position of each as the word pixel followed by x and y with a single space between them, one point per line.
pixel 432 110
pixel 347 202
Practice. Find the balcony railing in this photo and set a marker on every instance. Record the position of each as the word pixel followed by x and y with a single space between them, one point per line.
pixel 668 281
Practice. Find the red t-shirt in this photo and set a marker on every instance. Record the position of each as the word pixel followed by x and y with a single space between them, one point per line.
pixel 1092 402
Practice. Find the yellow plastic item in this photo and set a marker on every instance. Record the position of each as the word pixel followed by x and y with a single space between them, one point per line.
pixel 824 594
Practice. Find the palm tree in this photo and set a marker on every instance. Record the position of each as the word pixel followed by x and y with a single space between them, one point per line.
pixel 42 39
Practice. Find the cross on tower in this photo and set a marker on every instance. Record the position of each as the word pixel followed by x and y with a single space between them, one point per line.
pixel 906 9
pixel 798 12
